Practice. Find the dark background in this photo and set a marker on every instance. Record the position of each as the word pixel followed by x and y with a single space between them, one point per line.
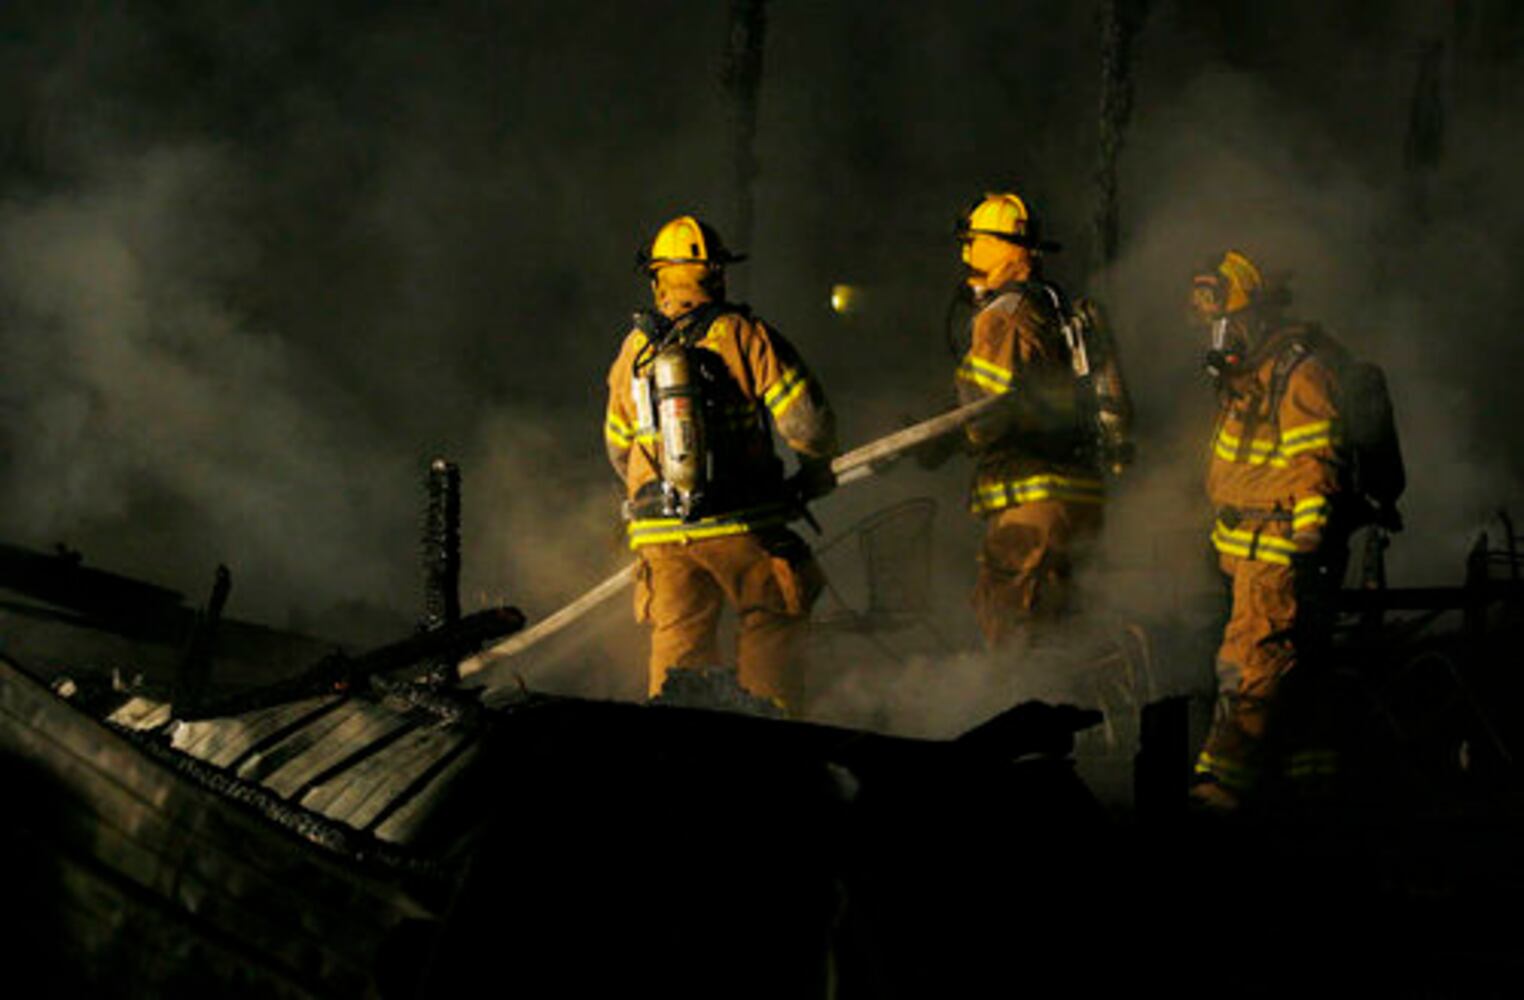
pixel 260 261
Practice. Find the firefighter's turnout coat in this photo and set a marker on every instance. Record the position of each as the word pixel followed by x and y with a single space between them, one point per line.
pixel 1275 477
pixel 736 547
pixel 1035 482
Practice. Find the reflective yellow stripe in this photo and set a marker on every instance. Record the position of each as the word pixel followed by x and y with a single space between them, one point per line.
pixel 1261 458
pixel 1233 441
pixel 784 391
pixel 783 404
pixel 617 431
pixel 1320 428
pixel 1244 545
pixel 1228 773
pixel 1227 447
pixel 989 385
pixel 993 496
pixel 659 530
pixel 1310 512
pixel 1303 446
pixel 989 368
pixel 1272 543
pixel 717 331
pixel 1299 440
pixel 985 374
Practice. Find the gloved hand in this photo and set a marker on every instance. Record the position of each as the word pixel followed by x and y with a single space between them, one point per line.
pixel 1308 562
pixel 1307 541
pixel 813 480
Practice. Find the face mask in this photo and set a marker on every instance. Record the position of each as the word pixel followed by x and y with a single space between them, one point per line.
pixel 993 262
pixel 680 288
pixel 1226 350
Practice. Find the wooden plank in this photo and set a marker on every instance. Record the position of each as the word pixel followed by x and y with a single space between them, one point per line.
pixel 221 742
pixel 265 762
pixel 368 724
pixel 35 710
pixel 141 713
pixel 402 825
pixel 175 853
pixel 105 774
pixel 360 794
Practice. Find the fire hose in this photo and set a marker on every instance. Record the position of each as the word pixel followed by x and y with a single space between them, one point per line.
pixel 850 467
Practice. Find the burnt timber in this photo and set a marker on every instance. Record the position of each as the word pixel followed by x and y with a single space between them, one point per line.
pixel 373 832
pixel 353 830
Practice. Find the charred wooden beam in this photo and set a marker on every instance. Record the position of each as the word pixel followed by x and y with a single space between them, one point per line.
pixel 1033 727
pixel 741 77
pixel 196 666
pixel 338 671
pixel 441 546
pixel 1120 22
pixel 118 603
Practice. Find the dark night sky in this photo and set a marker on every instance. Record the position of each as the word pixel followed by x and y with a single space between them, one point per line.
pixel 259 261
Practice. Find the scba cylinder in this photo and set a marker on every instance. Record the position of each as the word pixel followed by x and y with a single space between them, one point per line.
pixel 680 417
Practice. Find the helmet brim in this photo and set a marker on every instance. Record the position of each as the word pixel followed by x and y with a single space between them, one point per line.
pixel 645 262
pixel 1030 242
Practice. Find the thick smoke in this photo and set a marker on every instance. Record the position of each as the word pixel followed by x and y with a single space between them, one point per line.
pixel 258 265
pixel 144 406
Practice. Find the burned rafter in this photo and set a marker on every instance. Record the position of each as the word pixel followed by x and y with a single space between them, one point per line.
pixel 339 672
pixel 131 607
pixel 194 673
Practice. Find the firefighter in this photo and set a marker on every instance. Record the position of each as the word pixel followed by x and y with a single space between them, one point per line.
pixel 1275 477
pixel 1036 484
pixel 693 395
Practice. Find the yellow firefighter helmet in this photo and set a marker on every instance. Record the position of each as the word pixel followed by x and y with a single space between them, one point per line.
pixel 686 240
pixel 1226 286
pixel 1004 216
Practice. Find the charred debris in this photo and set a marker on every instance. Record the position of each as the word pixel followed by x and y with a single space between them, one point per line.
pixel 366 825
